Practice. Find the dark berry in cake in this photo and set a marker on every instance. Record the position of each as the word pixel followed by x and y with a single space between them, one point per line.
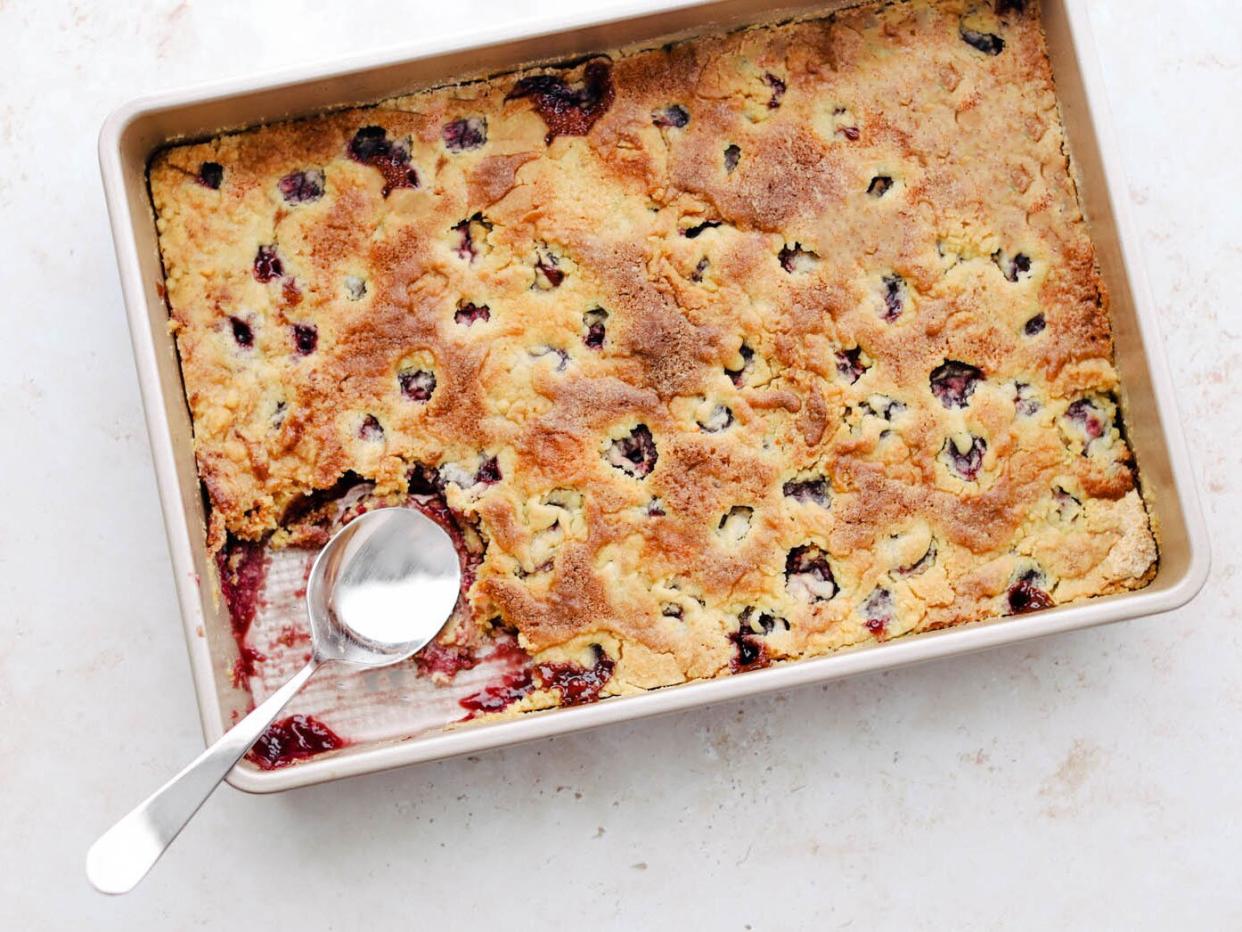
pixel 301 187
pixel 700 267
pixel 922 564
pixel 877 611
pixel 694 231
pixel 720 418
pixel 210 175
pixel 850 364
pixel 417 384
pixel 778 90
pixel 807 491
pixel 305 338
pixel 1034 326
pixel 464 134
pixel 879 186
pixel 966 463
pixel 808 575
pixel 242 332
pixel 894 294
pixel 954 382
pixel 760 622
pixel 1004 7
pixel 467 313
pixel 1086 416
pixel 267 265
pixel 1012 267
pixel 795 259
pixel 292 739
pixel 634 453
pixel 371 429
pixel 750 652
pixel 1025 402
pixel 738 376
pixel 489 472
pixel 371 146
pixel 673 115
pixel 565 109
pixel 593 321
pixel 467 248
pixel 547 273
pixel 1026 595
pixel 732 155
pixel 986 42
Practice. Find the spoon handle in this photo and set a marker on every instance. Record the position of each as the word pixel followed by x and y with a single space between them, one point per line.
pixel 122 855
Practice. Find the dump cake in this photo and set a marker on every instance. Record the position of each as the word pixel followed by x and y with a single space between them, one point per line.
pixel 743 349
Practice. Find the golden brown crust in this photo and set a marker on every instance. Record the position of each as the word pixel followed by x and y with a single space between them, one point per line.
pixel 835 270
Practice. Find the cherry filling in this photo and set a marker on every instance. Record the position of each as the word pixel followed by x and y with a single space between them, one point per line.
pixel 954 382
pixel 464 134
pixel 986 42
pixel 635 453
pixel 778 90
pixel 566 110
pixel 577 685
pixel 371 146
pixel 267 265
pixel 301 187
pixel 242 565
pixel 292 739
pixel 445 659
pixel 210 175
pixel 467 313
pixel 497 698
pixel 850 364
pixel 1025 595
pixel 807 491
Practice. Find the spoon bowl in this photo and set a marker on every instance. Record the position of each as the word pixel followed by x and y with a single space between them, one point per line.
pixel 378 592
pixel 382 588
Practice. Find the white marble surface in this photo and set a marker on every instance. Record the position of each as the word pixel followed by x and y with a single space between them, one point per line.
pixel 1087 781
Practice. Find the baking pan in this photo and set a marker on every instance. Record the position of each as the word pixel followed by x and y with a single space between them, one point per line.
pixel 135 131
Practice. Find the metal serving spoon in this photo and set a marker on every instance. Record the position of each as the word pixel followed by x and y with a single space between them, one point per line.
pixel 378 592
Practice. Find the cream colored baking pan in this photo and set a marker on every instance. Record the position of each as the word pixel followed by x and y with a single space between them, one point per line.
pixel 135 131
